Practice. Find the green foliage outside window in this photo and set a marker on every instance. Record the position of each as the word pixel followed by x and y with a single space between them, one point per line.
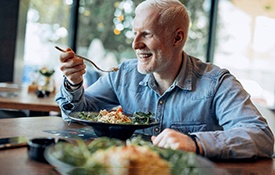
pixel 101 19
pixel 98 19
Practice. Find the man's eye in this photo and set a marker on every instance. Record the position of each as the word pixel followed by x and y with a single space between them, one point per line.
pixel 147 34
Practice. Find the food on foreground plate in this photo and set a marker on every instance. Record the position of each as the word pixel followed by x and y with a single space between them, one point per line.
pixel 130 159
pixel 105 156
pixel 117 117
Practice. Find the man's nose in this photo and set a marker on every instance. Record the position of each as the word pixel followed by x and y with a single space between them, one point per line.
pixel 137 43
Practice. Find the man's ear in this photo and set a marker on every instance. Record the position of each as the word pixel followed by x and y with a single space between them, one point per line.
pixel 179 37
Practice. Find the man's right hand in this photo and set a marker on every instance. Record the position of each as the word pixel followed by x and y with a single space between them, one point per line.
pixel 72 67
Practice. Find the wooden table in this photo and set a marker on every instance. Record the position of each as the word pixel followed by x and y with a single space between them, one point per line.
pixel 21 99
pixel 248 167
pixel 15 161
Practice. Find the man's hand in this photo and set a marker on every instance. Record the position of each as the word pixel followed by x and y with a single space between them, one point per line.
pixel 169 138
pixel 72 67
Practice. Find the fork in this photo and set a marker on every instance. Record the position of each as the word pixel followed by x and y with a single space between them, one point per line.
pixel 113 69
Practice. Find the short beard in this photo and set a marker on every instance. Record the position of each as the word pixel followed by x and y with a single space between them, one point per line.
pixel 140 70
pixel 153 67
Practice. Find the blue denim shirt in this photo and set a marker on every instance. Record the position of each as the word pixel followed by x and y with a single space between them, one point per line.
pixel 204 100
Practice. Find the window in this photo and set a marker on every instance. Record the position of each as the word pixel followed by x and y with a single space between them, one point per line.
pixel 104 32
pixel 106 27
pixel 243 39
pixel 245 45
pixel 105 35
pixel 47 25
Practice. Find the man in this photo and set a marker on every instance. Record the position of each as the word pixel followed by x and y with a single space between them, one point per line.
pixel 201 108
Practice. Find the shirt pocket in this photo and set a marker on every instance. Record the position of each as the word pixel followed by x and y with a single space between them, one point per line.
pixel 186 128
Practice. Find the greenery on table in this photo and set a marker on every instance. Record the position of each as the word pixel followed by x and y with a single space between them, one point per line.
pixel 182 163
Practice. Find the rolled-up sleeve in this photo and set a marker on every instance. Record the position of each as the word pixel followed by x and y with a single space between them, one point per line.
pixel 69 101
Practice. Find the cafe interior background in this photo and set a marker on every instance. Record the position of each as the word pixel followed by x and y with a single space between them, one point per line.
pixel 234 34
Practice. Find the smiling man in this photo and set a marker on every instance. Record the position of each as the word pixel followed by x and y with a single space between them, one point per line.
pixel 201 107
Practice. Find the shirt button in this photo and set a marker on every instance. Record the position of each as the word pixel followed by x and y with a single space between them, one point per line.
pixel 161 102
pixel 156 129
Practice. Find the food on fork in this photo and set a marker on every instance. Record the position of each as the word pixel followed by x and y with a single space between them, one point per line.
pixel 113 69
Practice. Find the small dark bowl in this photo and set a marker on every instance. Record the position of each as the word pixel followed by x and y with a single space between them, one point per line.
pixel 37 146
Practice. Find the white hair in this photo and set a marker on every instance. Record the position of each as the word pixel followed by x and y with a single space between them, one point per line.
pixel 173 13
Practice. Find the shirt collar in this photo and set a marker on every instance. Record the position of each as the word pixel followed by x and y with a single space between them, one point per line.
pixel 183 80
pixel 148 78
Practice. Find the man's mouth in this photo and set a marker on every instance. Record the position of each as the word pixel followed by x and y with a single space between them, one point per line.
pixel 144 54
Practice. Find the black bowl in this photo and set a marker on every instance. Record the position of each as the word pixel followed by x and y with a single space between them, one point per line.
pixel 37 146
pixel 118 131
